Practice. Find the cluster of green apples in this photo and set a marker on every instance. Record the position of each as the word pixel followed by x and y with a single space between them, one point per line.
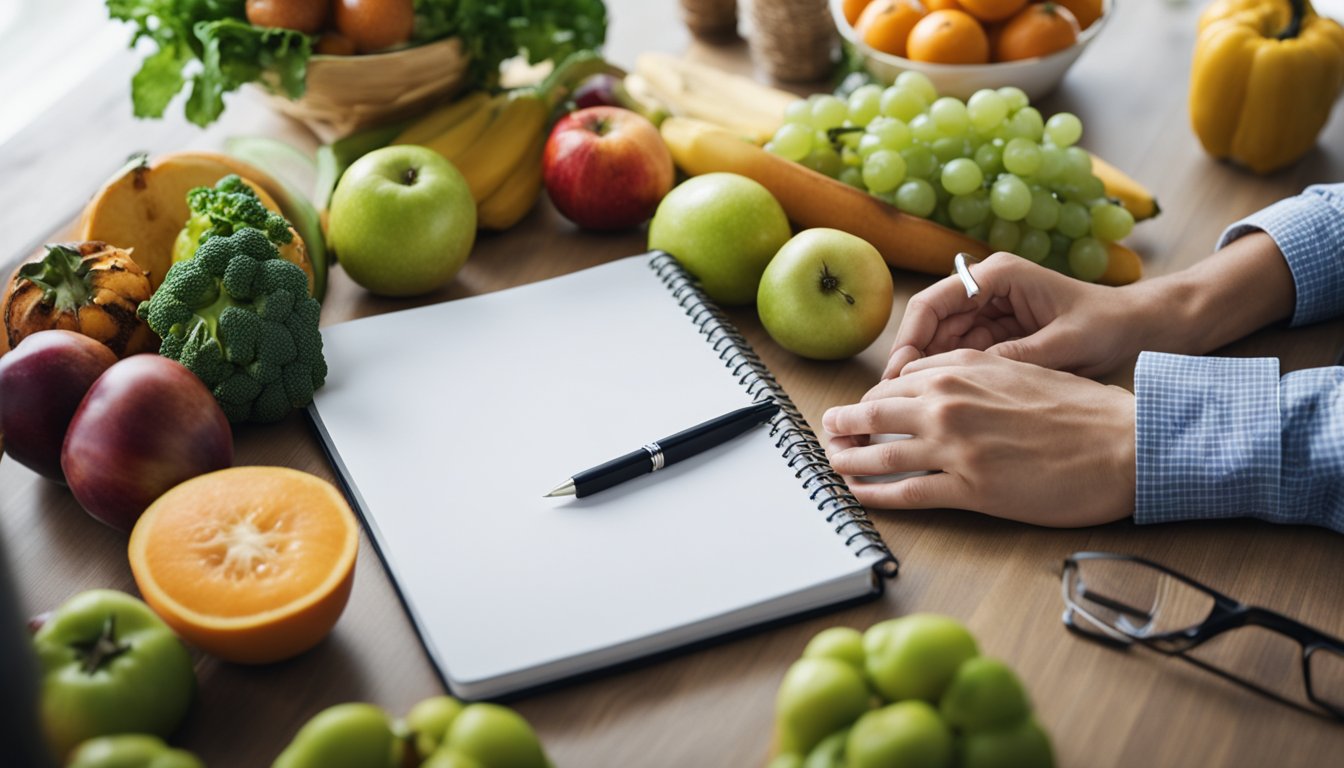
pixel 912 692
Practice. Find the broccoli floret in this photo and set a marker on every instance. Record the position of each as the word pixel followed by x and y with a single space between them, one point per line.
pixel 241 319
pixel 231 205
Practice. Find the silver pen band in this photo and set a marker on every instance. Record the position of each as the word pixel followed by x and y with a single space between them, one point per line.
pixel 656 455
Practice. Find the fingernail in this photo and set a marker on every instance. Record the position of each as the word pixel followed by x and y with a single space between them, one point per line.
pixel 828 420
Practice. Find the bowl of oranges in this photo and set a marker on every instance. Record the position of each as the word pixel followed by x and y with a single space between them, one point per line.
pixel 963 46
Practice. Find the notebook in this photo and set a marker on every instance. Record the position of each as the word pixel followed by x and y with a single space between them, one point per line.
pixel 448 423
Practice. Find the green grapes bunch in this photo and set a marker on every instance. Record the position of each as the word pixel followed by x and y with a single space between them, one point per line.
pixel 992 166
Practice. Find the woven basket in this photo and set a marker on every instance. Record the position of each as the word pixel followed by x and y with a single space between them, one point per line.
pixel 347 93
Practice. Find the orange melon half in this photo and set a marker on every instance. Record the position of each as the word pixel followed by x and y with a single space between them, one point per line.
pixel 249 564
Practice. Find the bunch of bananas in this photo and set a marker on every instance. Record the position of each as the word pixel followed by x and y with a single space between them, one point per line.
pixel 496 140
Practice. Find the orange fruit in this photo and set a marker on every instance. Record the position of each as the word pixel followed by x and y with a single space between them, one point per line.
pixel 852 9
pixel 885 25
pixel 943 5
pixel 1039 30
pixel 375 24
pixel 948 37
pixel 1085 11
pixel 249 564
pixel 992 10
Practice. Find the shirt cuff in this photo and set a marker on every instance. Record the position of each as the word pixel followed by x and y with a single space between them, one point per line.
pixel 1207 437
pixel 1309 230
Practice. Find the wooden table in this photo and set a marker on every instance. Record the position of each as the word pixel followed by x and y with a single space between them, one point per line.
pixel 714 706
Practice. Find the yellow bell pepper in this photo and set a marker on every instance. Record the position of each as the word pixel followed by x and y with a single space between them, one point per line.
pixel 1265 75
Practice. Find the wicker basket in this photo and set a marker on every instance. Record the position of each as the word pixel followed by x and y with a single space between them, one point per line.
pixel 347 93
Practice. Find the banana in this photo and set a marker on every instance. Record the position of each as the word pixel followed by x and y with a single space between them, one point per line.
pixel 1133 196
pixel 508 204
pixel 503 145
pixel 441 119
pixel 689 89
pixel 457 139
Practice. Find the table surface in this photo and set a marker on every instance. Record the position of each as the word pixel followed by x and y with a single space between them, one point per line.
pixel 714 706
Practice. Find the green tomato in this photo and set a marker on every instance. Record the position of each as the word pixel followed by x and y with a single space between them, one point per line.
pixel 829 752
pixel 915 656
pixel 817 697
pixel 131 750
pixel 110 665
pixel 351 735
pixel 450 758
pixel 843 643
pixel 429 721
pixel 1021 745
pixel 985 693
pixel 496 737
pixel 908 733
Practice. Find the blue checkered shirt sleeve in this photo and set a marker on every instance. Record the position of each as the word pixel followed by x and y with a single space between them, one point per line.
pixel 1229 437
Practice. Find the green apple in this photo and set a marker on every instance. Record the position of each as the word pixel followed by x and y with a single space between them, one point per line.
pixel 908 733
pixel 493 735
pixel 402 220
pixel 843 643
pixel 826 295
pixel 985 693
pixel 724 229
pixel 1021 745
pixel 916 656
pixel 817 697
pixel 829 752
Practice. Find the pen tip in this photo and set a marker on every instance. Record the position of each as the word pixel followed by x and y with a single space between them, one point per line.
pixel 564 489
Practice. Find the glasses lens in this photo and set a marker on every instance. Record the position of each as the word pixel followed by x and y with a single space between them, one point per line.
pixel 1326 667
pixel 1134 598
pixel 1267 660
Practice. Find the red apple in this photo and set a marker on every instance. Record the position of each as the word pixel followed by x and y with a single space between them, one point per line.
pixel 606 168
pixel 42 381
pixel 146 425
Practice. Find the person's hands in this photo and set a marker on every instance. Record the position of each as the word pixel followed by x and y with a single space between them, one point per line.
pixel 1023 312
pixel 1002 437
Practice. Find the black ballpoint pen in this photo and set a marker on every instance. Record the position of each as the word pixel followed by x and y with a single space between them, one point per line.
pixel 668 451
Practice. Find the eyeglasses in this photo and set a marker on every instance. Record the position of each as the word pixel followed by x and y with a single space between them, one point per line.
pixel 1120 600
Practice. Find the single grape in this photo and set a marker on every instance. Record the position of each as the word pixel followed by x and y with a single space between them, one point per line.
pixel 1074 221
pixel 1063 129
pixel 919 161
pixel 1078 164
pixel 793 141
pixel 1022 156
pixel 961 176
pixel 916 197
pixel 864 103
pixel 893 132
pixel 1090 190
pixel 919 83
pixel 800 112
pixel 850 157
pixel 1033 245
pixel 1014 97
pixel 989 157
pixel 1010 198
pixel 1044 213
pixel 829 112
pixel 870 144
pixel 902 103
pixel 950 116
pixel 1053 164
pixel 924 129
pixel 986 109
pixel 1088 259
pixel 1111 222
pixel 966 211
pixel 883 170
pixel 853 177
pixel 824 160
pixel 1004 235
pixel 949 148
pixel 1027 124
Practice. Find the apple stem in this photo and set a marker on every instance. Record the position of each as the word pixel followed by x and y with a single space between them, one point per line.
pixel 410 176
pixel 98 652
pixel 830 282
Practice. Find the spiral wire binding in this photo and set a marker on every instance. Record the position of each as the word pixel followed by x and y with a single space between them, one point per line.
pixel 798 443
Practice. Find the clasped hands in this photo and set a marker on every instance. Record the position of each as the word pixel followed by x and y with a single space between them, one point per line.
pixel 991 390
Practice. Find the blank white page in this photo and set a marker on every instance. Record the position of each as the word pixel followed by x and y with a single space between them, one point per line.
pixel 450 422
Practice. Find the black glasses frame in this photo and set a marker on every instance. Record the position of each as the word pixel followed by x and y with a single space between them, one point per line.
pixel 1227 614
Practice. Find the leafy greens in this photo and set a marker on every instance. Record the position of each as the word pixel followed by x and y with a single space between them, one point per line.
pixel 210 44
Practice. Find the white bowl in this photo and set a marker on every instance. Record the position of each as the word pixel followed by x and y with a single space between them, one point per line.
pixel 1037 77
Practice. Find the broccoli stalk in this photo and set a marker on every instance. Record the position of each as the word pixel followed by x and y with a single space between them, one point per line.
pixel 240 317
